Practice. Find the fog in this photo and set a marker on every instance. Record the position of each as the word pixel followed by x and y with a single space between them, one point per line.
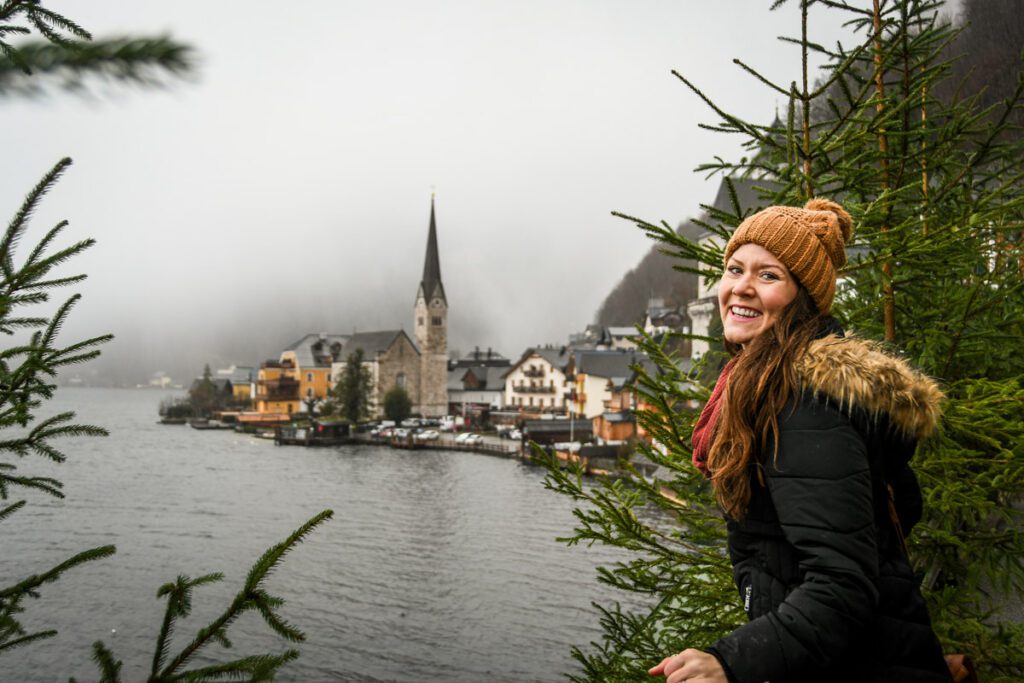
pixel 285 188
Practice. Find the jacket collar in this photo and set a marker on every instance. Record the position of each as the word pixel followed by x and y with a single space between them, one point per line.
pixel 858 374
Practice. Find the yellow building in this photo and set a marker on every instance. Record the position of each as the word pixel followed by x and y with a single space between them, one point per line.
pixel 311 358
pixel 277 388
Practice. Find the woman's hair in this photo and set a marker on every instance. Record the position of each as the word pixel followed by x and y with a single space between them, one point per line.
pixel 760 384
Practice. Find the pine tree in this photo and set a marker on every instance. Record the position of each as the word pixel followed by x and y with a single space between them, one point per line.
pixel 352 392
pixel 397 404
pixel 28 368
pixel 937 270
pixel 203 395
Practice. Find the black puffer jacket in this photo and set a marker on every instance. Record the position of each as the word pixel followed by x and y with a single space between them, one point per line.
pixel 829 592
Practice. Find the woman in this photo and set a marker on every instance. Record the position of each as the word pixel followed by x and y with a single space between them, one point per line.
pixel 804 437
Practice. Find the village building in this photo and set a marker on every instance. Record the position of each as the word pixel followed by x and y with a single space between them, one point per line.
pixel 277 388
pixel 618 421
pixel 537 383
pixel 594 372
pixel 660 319
pixel 592 337
pixel 312 357
pixel 476 385
pixel 242 380
pixel 624 337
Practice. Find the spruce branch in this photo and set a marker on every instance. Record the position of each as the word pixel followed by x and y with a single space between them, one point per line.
pixel 27 586
pixel 179 604
pixel 7 645
pixel 144 61
pixel 45 484
pixel 110 667
pixel 11 509
pixel 251 597
pixel 17 226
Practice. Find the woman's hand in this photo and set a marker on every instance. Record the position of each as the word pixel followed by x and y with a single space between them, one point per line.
pixel 690 665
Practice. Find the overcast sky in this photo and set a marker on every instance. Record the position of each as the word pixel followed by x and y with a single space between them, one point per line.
pixel 286 188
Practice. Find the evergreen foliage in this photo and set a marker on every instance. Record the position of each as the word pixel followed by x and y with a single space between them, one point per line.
pixel 352 392
pixel 397 404
pixel 69 53
pixel 935 188
pixel 28 368
pixel 175 408
pixel 204 396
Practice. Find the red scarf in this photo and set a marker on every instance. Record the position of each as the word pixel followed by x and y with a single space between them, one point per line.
pixel 705 427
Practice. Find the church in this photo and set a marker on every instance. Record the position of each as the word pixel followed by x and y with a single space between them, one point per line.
pixel 308 368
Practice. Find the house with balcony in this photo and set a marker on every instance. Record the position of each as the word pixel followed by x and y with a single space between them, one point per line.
pixel 537 383
pixel 277 388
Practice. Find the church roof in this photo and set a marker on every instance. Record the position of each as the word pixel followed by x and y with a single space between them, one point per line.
pixel 320 350
pixel 371 343
pixel 431 285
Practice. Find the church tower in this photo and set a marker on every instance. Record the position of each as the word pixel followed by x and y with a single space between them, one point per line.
pixel 432 331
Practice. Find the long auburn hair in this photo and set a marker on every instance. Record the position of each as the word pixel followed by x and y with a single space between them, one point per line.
pixel 760 383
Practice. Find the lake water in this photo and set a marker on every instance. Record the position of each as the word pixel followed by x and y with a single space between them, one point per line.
pixel 437 565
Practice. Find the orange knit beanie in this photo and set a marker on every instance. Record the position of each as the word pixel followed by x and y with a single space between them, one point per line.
pixel 810 242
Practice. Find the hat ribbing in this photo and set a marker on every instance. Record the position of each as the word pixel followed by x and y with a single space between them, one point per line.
pixel 810 242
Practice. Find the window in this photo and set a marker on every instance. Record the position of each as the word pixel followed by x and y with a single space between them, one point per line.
pixel 435 320
pixel 309 376
pixel 400 380
pixel 419 321
pixel 309 393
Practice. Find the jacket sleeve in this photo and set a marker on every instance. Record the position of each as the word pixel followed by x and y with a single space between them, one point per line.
pixel 820 485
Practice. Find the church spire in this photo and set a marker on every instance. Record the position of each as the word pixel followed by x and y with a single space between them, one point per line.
pixel 431 284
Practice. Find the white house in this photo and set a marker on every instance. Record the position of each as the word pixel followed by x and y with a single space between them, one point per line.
pixel 537 382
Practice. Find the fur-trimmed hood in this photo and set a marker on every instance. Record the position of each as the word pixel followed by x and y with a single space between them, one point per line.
pixel 856 373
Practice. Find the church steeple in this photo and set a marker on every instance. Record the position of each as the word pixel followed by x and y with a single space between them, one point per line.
pixel 431 313
pixel 431 285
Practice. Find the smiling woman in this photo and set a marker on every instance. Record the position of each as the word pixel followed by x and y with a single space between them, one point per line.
pixel 805 438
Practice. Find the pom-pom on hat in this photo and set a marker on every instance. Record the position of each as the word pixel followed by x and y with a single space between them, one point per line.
pixel 810 242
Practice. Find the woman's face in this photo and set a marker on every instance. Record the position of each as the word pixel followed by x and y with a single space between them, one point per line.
pixel 754 290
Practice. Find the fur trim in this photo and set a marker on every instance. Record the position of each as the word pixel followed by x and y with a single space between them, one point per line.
pixel 858 374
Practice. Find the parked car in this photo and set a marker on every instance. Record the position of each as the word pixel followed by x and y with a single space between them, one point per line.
pixel 473 438
pixel 515 434
pixel 464 437
pixel 428 435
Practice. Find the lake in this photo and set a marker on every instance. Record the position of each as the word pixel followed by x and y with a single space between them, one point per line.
pixel 437 565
